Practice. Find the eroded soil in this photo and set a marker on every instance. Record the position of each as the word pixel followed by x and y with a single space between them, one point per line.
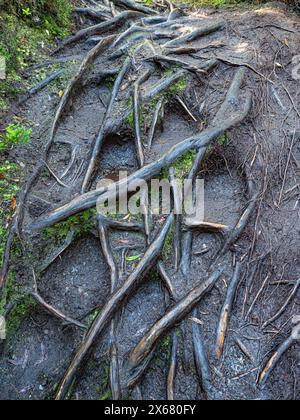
pixel 35 357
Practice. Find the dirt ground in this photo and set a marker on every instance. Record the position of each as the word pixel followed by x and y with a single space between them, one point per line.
pixel 34 359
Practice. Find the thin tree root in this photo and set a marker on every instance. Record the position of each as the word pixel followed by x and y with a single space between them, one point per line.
pixel 137 125
pixel 285 346
pixel 177 206
pixel 172 368
pixel 130 4
pixel 41 85
pixel 201 360
pixel 226 311
pixel 101 135
pixel 53 311
pixel 57 253
pixel 93 14
pixel 77 81
pixel 154 123
pixel 283 308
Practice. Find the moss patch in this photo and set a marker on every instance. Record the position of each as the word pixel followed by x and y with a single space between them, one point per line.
pixel 26 30
pixel 82 223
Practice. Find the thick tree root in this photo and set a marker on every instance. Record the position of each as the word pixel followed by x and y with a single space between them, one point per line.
pixel 114 279
pixel 113 304
pixel 197 33
pixel 88 200
pixel 101 27
pixel 144 349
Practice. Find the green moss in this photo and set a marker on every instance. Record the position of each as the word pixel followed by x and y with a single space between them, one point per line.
pixel 82 223
pixel 22 304
pixel 109 81
pixel 168 245
pixel 178 87
pixel 143 114
pixel 103 389
pixel 166 346
pixel 223 140
pixel 26 28
pixel 183 165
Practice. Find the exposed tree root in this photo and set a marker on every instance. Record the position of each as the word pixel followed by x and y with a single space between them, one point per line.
pixel 137 125
pixel 114 280
pixel 53 311
pixel 88 200
pixel 226 311
pixel 285 346
pixel 283 308
pixel 41 85
pixel 144 33
pixel 143 350
pixel 101 134
pixel 172 368
pixel 129 4
pixel 58 252
pixel 7 253
pixel 101 27
pixel 115 301
pixel 201 360
pixel 157 112
pixel 93 14
pixel 197 33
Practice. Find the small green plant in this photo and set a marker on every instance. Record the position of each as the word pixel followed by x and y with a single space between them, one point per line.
pixel 15 134
pixel 223 140
pixel 26 12
pixel 82 223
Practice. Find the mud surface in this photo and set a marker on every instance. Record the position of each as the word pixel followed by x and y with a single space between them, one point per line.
pixel 35 357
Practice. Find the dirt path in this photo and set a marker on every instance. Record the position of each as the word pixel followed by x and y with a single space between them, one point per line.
pixel 250 165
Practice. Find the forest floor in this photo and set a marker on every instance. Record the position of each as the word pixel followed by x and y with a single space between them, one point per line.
pixel 251 165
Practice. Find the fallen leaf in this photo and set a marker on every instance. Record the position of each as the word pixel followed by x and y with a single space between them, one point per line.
pixel 13 203
pixel 133 258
